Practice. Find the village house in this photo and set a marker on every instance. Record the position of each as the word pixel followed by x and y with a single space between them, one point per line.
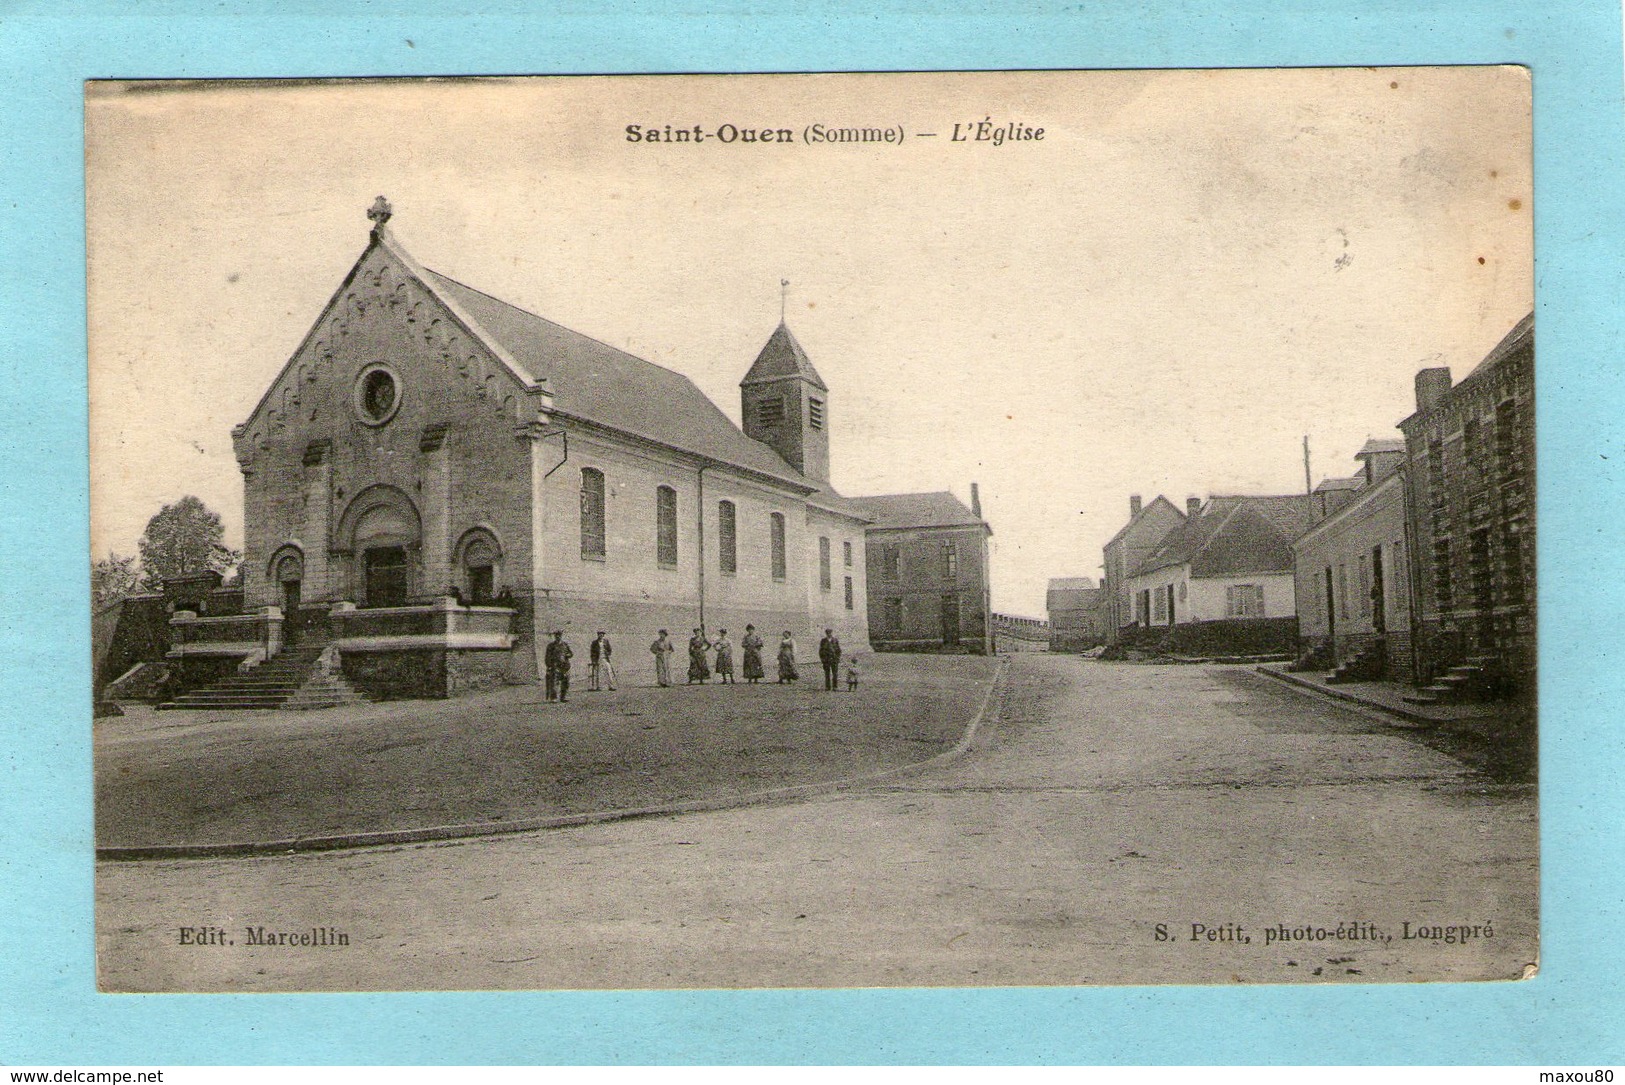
pixel 1470 510
pixel 927 558
pixel 436 479
pixel 1147 527
pixel 1223 581
pixel 1353 594
pixel 1077 613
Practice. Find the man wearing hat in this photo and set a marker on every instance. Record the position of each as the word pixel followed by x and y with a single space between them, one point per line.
pixel 602 671
pixel 558 667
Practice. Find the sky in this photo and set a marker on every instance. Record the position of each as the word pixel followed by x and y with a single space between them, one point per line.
pixel 1188 274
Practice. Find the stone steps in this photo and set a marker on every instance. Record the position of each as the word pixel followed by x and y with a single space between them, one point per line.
pixel 288 681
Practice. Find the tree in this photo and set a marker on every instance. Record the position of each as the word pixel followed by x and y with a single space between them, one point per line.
pixel 184 538
pixel 112 578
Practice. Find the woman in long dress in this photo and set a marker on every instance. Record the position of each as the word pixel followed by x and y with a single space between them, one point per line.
pixel 698 669
pixel 787 659
pixel 725 657
pixel 752 645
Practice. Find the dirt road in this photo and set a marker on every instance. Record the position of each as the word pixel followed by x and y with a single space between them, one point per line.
pixel 1102 801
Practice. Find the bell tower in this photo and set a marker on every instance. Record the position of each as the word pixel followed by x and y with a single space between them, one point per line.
pixel 784 404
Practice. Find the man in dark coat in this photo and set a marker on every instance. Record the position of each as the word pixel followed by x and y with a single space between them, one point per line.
pixel 829 654
pixel 558 667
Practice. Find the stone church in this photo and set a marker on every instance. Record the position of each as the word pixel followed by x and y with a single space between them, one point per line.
pixel 437 478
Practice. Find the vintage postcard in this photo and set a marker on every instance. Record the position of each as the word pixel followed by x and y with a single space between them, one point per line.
pixel 950 529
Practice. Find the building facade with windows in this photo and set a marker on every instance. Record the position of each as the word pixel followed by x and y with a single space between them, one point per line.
pixel 928 578
pixel 1352 571
pixel 1077 613
pixel 1223 581
pixel 1470 513
pixel 1147 527
pixel 437 478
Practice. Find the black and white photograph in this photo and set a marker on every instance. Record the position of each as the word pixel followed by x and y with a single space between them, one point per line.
pixel 1047 528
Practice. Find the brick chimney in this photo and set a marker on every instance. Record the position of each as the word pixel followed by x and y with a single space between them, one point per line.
pixel 1193 506
pixel 1133 506
pixel 975 501
pixel 1432 385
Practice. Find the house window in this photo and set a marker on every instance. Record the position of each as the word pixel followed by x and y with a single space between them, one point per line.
pixel 1343 591
pixel 891 615
pixel 848 593
pixel 1364 601
pixel 770 412
pixel 592 512
pixel 778 546
pixel 1159 606
pixel 666 526
pixel 888 562
pixel 727 537
pixel 1244 601
pixel 846 554
pixel 815 413
pixel 823 562
pixel 950 561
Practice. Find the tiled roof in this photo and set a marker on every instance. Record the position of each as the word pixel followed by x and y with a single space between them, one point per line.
pixel 1353 482
pixel 1072 583
pixel 1379 445
pixel 782 357
pixel 1236 534
pixel 598 383
pixel 940 509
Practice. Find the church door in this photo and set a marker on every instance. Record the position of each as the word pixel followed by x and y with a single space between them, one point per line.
pixel 386 576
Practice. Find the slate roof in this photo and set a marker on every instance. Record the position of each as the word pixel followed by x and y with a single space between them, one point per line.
pixel 1379 445
pixel 1072 593
pixel 1072 583
pixel 1236 535
pixel 781 356
pixel 939 509
pixel 598 383
pixel 1353 482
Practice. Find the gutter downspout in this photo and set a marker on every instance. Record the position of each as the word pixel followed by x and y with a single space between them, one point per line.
pixel 700 524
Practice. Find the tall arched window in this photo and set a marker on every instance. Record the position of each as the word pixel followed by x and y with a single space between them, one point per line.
pixel 666 525
pixel 778 546
pixel 592 512
pixel 727 537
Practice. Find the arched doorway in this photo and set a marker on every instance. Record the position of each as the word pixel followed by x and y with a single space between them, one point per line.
pixel 288 574
pixel 479 559
pixel 384 532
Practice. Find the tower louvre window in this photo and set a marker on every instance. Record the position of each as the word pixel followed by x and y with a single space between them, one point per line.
pixel 815 413
pixel 770 412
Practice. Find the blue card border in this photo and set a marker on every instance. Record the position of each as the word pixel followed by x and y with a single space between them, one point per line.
pixel 49 1009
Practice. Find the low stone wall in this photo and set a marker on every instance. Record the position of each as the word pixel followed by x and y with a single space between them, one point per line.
pixel 398 675
pixel 966 646
pixel 1227 637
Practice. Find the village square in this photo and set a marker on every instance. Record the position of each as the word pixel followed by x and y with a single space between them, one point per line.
pixel 534 670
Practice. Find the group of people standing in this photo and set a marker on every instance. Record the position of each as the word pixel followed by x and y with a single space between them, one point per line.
pixel 705 657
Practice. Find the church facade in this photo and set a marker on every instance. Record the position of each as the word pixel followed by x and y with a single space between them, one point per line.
pixel 437 479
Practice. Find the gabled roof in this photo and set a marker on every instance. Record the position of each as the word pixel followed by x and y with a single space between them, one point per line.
pixel 1377 446
pixel 1072 583
pixel 783 357
pixel 939 509
pixel 1236 534
pixel 1353 482
pixel 597 383
pixel 1144 512
pixel 1072 593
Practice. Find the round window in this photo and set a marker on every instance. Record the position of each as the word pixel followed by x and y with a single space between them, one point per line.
pixel 377 394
